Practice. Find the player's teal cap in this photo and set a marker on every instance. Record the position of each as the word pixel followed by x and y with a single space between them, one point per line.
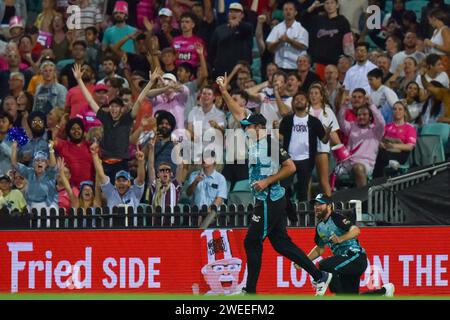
pixel 254 118
pixel 322 199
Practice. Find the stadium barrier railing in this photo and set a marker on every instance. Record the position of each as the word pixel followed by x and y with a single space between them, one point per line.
pixel 383 204
pixel 181 216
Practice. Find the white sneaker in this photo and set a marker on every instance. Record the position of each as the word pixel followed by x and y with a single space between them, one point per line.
pixel 322 286
pixel 390 289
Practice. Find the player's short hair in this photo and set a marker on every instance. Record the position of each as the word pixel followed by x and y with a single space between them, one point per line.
pixel 241 93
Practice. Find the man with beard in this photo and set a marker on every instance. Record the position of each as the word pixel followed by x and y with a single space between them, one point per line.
pixel 76 153
pixel 268 165
pixel 364 135
pixel 38 140
pixel 410 43
pixel 349 260
pixel 120 29
pixel 356 76
pixel 300 133
pixel 165 123
pixel 110 69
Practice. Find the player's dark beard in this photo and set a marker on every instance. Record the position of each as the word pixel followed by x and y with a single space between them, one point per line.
pixel 322 214
pixel 37 133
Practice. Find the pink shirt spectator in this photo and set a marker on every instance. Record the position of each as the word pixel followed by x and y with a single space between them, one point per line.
pixel 369 138
pixel 174 104
pixel 406 132
pixel 185 47
pixel 64 199
pixel 4 65
pixel 76 103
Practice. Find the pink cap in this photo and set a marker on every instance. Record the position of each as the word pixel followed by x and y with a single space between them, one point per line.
pixel 16 22
pixel 121 6
pixel 101 86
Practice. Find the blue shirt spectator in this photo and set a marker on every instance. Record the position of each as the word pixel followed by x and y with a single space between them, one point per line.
pixel 39 141
pixel 207 186
pixel 132 197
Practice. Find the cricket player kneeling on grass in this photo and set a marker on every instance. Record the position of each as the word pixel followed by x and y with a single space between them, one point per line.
pixel 349 260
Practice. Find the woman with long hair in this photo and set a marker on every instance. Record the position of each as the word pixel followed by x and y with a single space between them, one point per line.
pixel 440 41
pixel 412 101
pixel 319 108
pixel 90 196
pixel 61 43
pixel 45 18
pixel 398 141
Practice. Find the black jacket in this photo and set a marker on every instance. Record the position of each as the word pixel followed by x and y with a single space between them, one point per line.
pixel 315 131
pixel 229 45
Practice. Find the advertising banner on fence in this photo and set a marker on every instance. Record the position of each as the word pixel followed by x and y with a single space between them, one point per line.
pixel 415 259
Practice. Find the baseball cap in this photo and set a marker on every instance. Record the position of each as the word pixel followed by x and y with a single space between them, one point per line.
pixel 86 183
pixel 40 155
pixel 123 174
pixel 169 76
pixel 5 177
pixel 236 6
pixel 16 22
pixel 100 87
pixel 254 118
pixel 322 199
pixel 165 12
pixel 121 6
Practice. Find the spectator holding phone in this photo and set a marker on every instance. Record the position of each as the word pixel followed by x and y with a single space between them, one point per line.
pixel 207 186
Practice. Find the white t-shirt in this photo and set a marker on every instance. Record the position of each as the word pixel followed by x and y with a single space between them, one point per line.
pixel 286 55
pixel 269 108
pixel 383 95
pixel 356 76
pixel 199 119
pixel 326 118
pixel 400 57
pixel 441 77
pixel 299 144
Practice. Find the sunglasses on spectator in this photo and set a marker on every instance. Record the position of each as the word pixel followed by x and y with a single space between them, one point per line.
pixel 165 170
pixel 37 121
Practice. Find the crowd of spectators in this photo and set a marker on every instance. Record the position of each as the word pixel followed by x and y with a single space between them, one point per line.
pixel 117 102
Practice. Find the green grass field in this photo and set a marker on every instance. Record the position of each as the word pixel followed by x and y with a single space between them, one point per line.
pixel 87 296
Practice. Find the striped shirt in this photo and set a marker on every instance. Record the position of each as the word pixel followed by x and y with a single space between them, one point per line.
pixel 90 16
pixel 171 196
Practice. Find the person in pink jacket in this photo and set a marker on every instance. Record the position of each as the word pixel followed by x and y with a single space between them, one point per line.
pixel 366 132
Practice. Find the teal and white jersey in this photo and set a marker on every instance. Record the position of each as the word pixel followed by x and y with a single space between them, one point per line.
pixel 336 224
pixel 263 164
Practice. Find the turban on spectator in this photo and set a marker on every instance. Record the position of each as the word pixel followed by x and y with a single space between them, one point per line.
pixel 69 126
pixel 37 114
pixel 165 115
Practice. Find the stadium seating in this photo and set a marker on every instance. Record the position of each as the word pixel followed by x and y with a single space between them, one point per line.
pixel 440 129
pixel 429 150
